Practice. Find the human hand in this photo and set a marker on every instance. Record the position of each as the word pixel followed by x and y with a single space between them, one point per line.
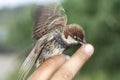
pixel 60 68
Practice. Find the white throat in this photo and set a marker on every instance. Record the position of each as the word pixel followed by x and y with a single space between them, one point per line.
pixel 69 40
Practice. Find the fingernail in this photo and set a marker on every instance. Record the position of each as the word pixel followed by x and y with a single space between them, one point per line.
pixel 88 48
pixel 67 57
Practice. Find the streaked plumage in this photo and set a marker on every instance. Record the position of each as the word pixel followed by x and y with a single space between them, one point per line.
pixel 47 18
pixel 53 36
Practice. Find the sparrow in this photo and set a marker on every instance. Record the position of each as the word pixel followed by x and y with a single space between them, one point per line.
pixel 53 36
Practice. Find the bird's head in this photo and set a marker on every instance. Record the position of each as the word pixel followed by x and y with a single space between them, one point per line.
pixel 73 34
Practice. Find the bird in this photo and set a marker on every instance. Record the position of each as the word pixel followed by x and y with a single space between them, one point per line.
pixel 52 34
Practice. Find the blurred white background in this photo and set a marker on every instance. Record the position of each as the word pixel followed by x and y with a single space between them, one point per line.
pixel 14 3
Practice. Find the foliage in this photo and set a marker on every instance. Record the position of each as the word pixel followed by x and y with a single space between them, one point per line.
pixel 100 19
pixel 20 33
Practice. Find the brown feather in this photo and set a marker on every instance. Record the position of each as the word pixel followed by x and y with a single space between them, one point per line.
pixel 44 16
pixel 74 30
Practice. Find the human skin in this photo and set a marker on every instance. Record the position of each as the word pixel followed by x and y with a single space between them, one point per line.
pixel 61 68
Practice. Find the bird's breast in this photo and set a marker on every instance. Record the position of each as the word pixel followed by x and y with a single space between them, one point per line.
pixel 50 49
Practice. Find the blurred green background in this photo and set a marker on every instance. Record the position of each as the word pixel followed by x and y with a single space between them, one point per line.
pixel 100 20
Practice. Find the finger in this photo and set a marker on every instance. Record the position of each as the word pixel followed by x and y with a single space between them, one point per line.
pixel 47 69
pixel 71 67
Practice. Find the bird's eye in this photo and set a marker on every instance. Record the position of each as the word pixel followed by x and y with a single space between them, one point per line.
pixel 75 38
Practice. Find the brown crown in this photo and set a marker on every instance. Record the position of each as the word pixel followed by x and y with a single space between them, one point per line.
pixel 74 30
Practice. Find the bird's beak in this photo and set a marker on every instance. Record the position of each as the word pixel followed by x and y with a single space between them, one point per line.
pixel 82 42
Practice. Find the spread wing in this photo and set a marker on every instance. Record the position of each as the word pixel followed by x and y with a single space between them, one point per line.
pixel 46 17
pixel 31 59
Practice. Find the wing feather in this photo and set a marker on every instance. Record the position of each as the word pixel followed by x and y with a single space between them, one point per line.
pixel 31 59
pixel 45 15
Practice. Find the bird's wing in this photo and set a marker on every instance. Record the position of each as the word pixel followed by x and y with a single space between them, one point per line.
pixel 45 18
pixel 31 59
